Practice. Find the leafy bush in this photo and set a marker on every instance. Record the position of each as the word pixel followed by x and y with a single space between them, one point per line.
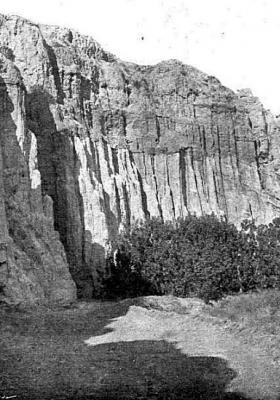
pixel 196 256
pixel 122 280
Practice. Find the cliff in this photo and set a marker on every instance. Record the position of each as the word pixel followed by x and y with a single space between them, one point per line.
pixel 90 144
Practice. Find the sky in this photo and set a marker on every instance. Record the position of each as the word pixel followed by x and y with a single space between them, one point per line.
pixel 235 40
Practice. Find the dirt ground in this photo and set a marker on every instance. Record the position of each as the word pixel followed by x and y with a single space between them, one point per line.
pixel 149 348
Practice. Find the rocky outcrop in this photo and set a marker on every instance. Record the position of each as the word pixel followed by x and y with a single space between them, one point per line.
pixel 33 265
pixel 104 143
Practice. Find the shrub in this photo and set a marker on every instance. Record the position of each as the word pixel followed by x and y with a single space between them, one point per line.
pixel 196 256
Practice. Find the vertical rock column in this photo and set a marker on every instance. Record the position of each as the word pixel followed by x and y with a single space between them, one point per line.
pixel 3 233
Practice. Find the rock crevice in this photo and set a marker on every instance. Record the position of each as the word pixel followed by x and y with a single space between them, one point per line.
pixel 91 144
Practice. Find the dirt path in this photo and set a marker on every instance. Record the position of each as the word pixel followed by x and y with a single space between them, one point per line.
pixel 253 374
pixel 152 348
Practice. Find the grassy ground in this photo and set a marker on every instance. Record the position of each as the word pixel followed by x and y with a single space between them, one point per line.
pixel 255 317
pixel 43 354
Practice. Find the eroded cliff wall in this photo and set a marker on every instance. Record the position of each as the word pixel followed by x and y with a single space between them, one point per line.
pixel 33 265
pixel 106 143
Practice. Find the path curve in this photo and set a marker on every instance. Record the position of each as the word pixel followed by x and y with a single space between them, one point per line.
pixel 256 376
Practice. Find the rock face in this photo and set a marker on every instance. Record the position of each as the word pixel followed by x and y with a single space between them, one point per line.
pixel 33 265
pixel 91 144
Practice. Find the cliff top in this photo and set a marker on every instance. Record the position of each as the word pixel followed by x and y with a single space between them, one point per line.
pixel 74 42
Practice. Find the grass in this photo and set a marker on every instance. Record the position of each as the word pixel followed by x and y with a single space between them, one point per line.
pixel 253 316
pixel 43 356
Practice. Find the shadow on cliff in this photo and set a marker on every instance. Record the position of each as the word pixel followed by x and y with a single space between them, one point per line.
pixel 60 169
pixel 7 139
pixel 15 178
pixel 14 166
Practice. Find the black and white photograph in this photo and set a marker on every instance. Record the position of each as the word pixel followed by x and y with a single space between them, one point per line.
pixel 139 200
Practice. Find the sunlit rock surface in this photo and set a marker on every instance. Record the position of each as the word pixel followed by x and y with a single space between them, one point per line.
pixel 96 144
pixel 33 265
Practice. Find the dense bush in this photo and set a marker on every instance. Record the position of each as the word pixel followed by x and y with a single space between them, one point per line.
pixel 196 256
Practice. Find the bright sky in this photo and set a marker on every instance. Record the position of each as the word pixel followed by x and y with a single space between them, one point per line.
pixel 235 40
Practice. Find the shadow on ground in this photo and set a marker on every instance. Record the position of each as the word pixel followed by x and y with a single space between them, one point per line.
pixel 156 370
pixel 43 356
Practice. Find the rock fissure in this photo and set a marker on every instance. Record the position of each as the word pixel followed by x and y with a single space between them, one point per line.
pixel 91 144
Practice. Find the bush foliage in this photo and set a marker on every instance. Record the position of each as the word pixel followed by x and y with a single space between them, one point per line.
pixel 196 256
